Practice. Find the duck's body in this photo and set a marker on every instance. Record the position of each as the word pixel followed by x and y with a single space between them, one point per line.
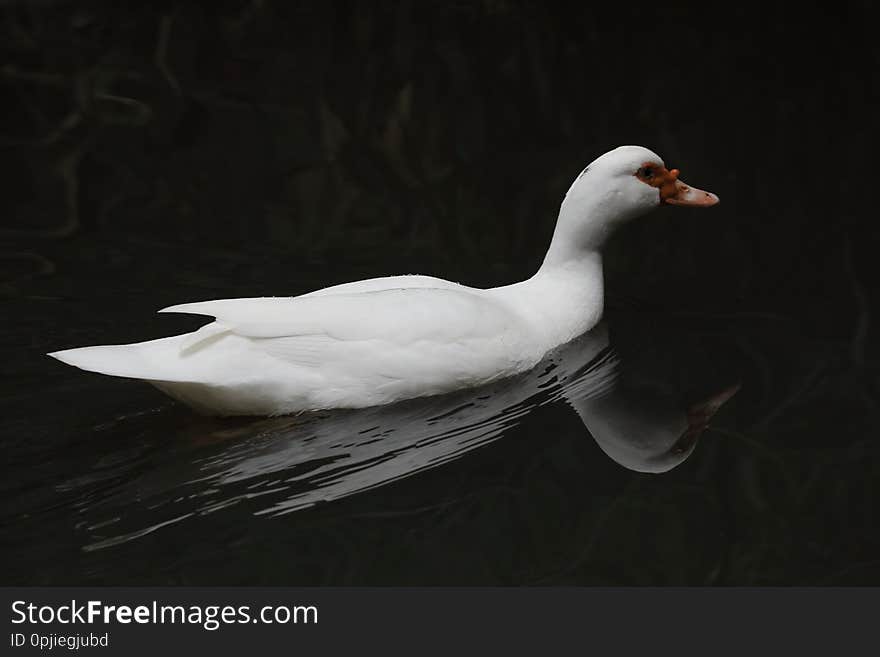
pixel 384 339
pixel 349 346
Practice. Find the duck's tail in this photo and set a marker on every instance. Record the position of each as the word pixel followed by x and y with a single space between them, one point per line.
pixel 183 367
pixel 154 360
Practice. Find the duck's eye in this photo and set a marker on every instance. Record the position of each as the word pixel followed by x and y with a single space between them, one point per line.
pixel 646 172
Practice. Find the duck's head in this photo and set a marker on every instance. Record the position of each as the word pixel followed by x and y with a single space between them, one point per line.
pixel 637 180
pixel 620 185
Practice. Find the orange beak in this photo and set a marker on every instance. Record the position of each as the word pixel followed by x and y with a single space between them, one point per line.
pixel 698 417
pixel 675 192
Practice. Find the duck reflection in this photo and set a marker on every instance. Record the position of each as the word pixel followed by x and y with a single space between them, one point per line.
pixel 285 464
pixel 647 431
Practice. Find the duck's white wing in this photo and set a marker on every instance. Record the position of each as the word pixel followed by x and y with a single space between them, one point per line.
pixel 401 316
pixel 274 355
pixel 357 349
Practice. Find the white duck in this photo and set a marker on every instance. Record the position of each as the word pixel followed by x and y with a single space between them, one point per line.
pixel 380 340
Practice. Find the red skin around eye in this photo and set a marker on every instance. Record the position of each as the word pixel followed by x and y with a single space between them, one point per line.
pixel 663 179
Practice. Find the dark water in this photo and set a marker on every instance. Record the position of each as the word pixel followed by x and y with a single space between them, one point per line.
pixel 159 155
pixel 539 479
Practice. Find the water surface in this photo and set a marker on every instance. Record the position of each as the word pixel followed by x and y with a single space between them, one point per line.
pixel 575 472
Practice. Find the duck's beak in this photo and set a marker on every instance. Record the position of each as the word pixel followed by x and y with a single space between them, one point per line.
pixel 677 192
pixel 699 414
pixel 698 417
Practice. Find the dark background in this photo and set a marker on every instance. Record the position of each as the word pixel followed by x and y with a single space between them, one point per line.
pixel 182 151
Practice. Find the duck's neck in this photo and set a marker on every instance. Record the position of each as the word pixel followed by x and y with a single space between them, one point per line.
pixel 562 300
pixel 587 217
pixel 565 297
pixel 571 293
